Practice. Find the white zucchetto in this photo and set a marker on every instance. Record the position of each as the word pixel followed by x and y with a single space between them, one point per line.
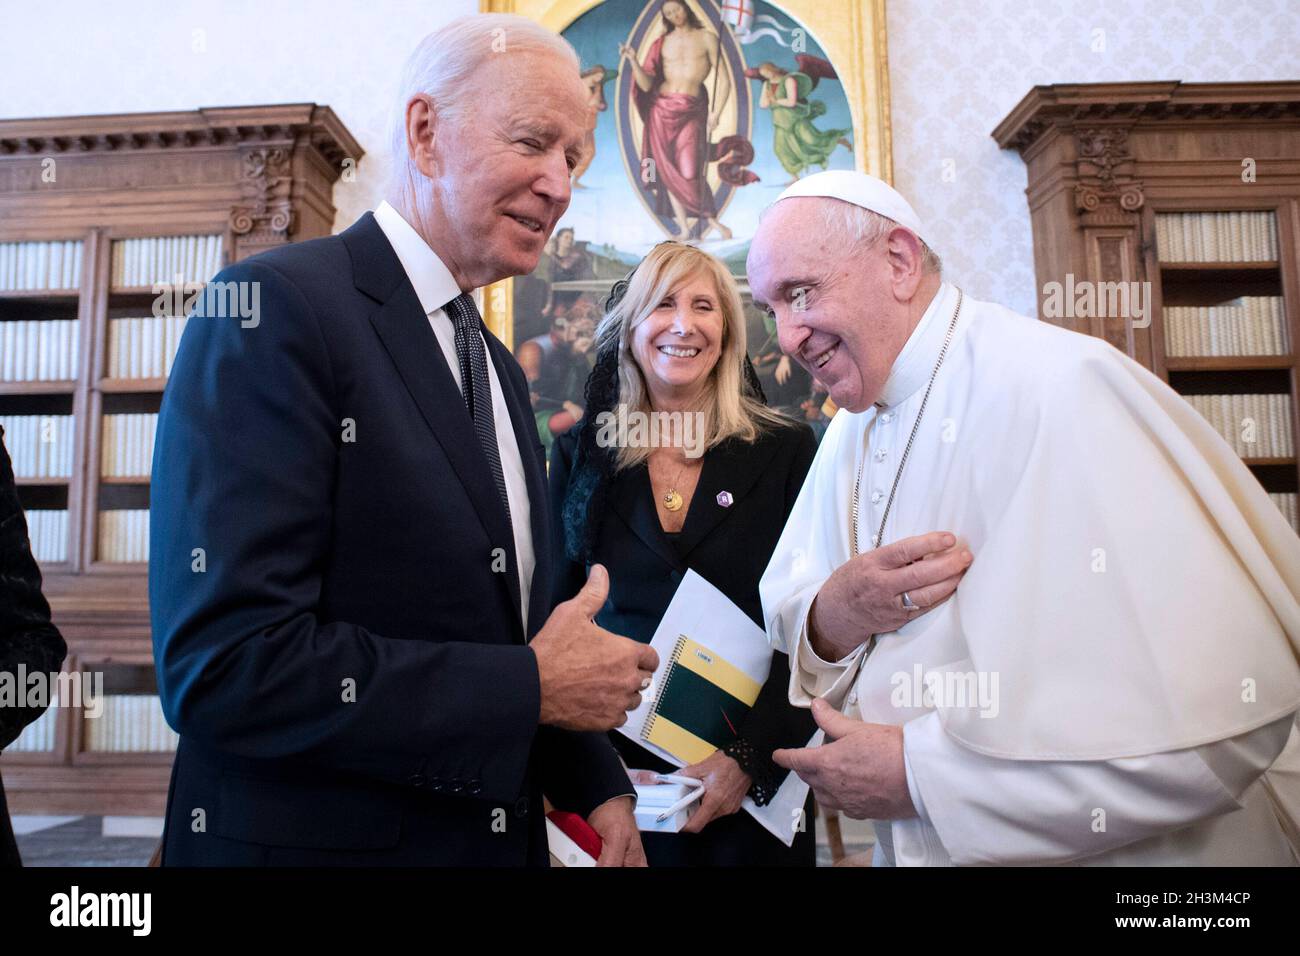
pixel 860 189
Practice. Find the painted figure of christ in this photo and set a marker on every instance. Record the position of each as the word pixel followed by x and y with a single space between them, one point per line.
pixel 674 104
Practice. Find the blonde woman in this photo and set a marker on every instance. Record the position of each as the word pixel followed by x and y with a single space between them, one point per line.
pixel 707 489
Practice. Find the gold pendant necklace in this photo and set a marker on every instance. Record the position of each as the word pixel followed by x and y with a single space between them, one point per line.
pixel 673 497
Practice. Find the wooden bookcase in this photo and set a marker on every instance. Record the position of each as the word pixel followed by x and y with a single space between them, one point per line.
pixel 249 177
pixel 1113 168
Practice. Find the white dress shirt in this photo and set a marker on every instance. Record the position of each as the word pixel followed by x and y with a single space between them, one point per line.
pixel 435 287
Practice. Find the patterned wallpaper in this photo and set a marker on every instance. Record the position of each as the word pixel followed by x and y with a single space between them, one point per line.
pixel 956 69
pixel 142 55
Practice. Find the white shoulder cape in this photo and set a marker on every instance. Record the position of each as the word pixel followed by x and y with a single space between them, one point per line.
pixel 1134 589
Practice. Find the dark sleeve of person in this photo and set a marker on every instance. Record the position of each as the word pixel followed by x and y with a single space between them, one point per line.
pixel 774 723
pixel 579 771
pixel 26 635
pixel 243 486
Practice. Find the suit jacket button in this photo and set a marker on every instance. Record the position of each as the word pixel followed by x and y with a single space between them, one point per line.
pixel 474 787
pixel 416 780
pixel 456 785
pixel 521 807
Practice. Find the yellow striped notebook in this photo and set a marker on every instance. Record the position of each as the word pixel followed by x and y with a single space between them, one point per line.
pixel 701 703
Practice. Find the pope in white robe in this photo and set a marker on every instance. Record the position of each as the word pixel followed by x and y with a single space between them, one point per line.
pixel 1114 680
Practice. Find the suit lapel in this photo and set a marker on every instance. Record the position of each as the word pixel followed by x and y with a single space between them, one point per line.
pixel 631 496
pixel 404 329
pixel 732 467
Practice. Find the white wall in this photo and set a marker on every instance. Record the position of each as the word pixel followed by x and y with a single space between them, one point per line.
pixel 956 69
pixel 125 56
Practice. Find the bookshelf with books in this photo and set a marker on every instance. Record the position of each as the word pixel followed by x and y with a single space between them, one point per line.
pixel 1189 194
pixel 128 723
pixel 41 344
pixel 96 261
pixel 140 337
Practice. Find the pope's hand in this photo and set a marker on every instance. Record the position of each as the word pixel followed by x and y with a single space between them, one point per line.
pixel 619 837
pixel 589 677
pixel 864 595
pixel 858 771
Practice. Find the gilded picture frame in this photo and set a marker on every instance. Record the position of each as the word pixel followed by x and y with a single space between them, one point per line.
pixel 785 88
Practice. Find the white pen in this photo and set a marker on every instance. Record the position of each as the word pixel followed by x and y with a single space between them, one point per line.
pixel 678 778
pixel 685 801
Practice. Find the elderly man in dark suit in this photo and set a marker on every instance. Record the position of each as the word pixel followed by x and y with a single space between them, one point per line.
pixel 351 548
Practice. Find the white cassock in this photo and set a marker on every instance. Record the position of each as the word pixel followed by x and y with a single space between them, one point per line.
pixel 1118 668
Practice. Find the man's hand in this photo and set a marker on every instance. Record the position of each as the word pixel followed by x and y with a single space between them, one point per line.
pixel 590 678
pixel 859 770
pixel 865 594
pixel 725 786
pixel 620 839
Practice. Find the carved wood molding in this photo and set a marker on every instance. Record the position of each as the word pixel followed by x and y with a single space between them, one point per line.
pixel 268 217
pixel 261 173
pixel 247 126
pixel 1106 188
pixel 1068 106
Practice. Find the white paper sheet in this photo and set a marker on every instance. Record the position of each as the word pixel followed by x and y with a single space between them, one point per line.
pixel 704 614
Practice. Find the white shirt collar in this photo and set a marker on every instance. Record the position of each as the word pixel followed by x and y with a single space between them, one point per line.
pixel 915 363
pixel 433 281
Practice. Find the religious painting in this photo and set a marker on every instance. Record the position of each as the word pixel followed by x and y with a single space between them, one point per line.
pixel 700 113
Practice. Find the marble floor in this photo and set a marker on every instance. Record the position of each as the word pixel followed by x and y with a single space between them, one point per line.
pixel 117 841
pixel 81 841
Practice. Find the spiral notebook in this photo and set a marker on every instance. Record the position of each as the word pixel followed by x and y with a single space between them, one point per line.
pixel 701 702
pixel 712 662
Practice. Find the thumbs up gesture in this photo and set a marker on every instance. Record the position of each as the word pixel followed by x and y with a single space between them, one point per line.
pixel 589 677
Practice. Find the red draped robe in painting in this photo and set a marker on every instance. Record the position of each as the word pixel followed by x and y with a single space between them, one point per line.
pixel 676 137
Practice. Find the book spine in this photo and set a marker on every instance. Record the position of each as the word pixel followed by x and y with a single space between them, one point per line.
pixel 8 347
pixel 43 351
pixel 133 348
pixel 107 537
pixel 1286 446
pixel 54 275
pixel 107 446
pixel 34 335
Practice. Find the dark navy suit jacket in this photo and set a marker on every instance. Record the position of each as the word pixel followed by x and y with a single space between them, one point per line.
pixel 338 641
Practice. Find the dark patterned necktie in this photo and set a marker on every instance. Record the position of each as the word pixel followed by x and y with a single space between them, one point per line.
pixel 475 384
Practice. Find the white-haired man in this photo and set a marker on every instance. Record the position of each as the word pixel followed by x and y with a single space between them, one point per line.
pixel 1110 676
pixel 352 674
